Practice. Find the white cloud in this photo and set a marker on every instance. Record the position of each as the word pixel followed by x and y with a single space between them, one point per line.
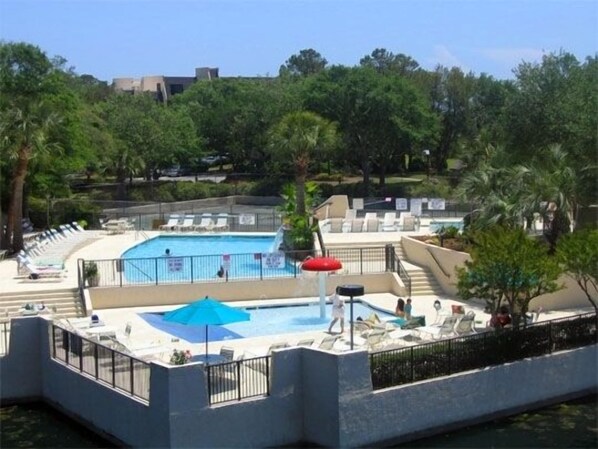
pixel 443 56
pixel 512 56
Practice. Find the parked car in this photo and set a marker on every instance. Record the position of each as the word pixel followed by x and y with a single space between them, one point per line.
pixel 171 171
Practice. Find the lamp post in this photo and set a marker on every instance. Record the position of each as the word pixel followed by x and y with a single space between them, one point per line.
pixel 48 211
pixel 351 290
pixel 427 155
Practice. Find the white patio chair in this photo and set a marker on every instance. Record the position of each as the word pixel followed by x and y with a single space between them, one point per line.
pixel 307 342
pixel 336 225
pixel 275 346
pixel 357 225
pixel 172 222
pixel 221 223
pixel 350 215
pixel 465 325
pixel 446 328
pixel 205 224
pixel 42 272
pixel 390 222
pixel 186 225
pixel 408 224
pixel 328 342
pixel 376 338
pixel 370 222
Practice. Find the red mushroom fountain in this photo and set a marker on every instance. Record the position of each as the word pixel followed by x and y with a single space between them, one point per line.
pixel 322 265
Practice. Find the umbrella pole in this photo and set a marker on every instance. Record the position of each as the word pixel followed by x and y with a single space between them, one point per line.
pixel 206 343
pixel 322 288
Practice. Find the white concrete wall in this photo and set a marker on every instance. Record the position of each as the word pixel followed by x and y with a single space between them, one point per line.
pixel 444 269
pixel 316 396
pixel 167 294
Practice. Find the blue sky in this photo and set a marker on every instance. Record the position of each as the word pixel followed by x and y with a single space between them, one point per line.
pixel 114 38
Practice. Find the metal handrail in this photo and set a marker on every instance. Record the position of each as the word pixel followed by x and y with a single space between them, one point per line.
pixel 438 263
pixel 402 272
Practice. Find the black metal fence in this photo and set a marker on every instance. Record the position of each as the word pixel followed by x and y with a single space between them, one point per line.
pixel 4 336
pixel 239 379
pixel 111 367
pixel 193 269
pixel 406 365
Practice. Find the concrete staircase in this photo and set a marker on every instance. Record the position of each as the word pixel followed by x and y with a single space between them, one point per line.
pixel 423 282
pixel 66 301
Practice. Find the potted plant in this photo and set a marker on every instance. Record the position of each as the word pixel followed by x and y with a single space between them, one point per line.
pixel 91 274
pixel 180 357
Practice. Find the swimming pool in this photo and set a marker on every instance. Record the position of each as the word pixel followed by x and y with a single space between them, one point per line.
pixel 203 257
pixel 265 320
pixel 435 226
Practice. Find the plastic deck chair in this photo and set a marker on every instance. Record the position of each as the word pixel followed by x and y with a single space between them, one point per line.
pixel 390 222
pixel 205 224
pixel 328 342
pixel 306 342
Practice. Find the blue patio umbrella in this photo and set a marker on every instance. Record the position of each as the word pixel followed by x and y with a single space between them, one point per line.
pixel 205 312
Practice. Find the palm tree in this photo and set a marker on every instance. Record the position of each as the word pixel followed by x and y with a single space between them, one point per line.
pixel 299 137
pixel 25 133
pixel 556 179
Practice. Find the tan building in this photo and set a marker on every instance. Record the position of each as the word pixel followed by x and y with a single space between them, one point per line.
pixel 163 87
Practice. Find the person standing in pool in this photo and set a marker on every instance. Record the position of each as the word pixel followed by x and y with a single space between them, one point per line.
pixel 408 308
pixel 167 252
pixel 338 311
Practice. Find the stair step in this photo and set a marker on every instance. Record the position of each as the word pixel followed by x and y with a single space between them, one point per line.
pixel 66 301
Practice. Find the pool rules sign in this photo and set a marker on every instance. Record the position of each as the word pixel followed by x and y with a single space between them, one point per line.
pixel 175 264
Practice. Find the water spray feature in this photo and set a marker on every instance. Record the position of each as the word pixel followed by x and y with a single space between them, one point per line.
pixel 323 266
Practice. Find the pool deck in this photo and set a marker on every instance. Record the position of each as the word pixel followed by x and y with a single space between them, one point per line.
pixel 143 335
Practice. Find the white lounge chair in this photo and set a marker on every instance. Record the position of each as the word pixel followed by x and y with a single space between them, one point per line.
pixel 370 222
pixel 205 223
pixel 375 339
pixel 465 326
pixel 446 328
pixel 357 225
pixel 227 353
pixel 41 272
pixel 390 222
pixel 328 342
pixel 307 342
pixel 172 222
pixel 350 215
pixel 186 225
pixel 336 225
pixel 275 346
pixel 221 223
pixel 408 224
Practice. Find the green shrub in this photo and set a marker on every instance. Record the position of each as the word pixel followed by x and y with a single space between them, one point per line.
pixel 268 187
pixel 166 193
pixel 449 232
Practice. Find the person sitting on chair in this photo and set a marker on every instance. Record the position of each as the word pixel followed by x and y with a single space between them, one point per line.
pixel 400 309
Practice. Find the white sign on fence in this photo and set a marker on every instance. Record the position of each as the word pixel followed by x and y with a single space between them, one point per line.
pixel 416 207
pixel 247 219
pixel 436 204
pixel 401 204
pixel 175 264
pixel 273 260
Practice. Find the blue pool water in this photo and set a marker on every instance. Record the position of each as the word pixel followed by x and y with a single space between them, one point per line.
pixel 267 320
pixel 436 225
pixel 200 245
pixel 201 257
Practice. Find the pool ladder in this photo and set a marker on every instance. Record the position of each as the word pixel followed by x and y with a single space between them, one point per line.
pixel 141 234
